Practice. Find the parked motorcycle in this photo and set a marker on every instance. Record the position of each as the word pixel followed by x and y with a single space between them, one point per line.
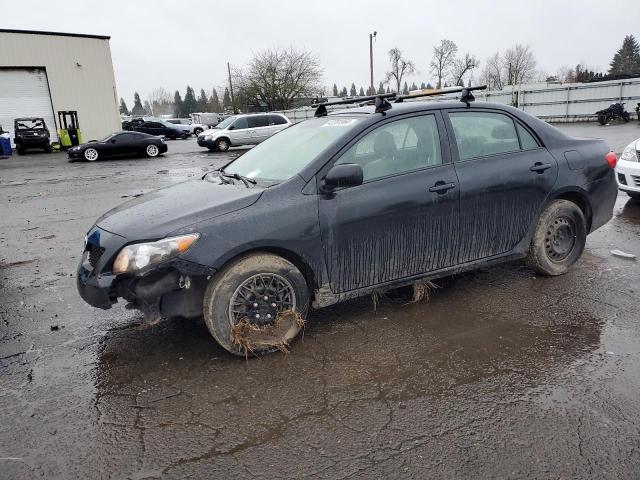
pixel 615 111
pixel 638 111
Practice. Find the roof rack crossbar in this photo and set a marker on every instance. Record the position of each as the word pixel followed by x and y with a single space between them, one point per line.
pixel 321 107
pixel 401 98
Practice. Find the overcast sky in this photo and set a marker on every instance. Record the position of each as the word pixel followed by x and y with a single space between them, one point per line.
pixel 172 43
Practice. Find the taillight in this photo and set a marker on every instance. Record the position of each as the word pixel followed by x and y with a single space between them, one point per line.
pixel 611 159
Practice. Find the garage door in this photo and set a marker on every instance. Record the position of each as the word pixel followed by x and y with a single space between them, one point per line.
pixel 24 92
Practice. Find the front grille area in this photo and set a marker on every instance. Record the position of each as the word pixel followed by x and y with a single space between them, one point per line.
pixel 636 180
pixel 94 255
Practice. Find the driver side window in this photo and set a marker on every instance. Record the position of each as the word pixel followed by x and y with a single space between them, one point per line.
pixel 397 147
pixel 240 124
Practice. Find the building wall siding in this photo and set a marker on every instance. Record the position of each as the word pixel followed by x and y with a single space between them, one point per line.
pixel 89 88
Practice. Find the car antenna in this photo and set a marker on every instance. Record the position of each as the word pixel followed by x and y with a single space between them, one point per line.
pixel 380 101
pixel 465 97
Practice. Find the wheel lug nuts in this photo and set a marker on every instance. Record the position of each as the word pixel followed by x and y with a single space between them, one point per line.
pixel 273 305
pixel 268 315
pixel 266 298
pixel 257 315
pixel 255 305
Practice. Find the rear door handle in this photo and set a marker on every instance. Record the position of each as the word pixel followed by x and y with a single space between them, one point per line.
pixel 540 167
pixel 442 187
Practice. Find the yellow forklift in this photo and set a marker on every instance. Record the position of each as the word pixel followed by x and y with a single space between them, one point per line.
pixel 69 129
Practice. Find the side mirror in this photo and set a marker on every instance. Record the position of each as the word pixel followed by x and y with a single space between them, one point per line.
pixel 344 175
pixel 113 140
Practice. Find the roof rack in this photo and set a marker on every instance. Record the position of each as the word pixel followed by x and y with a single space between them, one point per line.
pixel 382 104
pixel 466 95
pixel 321 107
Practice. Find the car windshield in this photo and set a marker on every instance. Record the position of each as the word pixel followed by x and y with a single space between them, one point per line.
pixel 108 137
pixel 286 153
pixel 225 123
pixel 28 124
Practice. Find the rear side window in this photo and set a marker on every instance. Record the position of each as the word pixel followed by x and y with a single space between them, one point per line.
pixel 526 139
pixel 258 121
pixel 479 134
pixel 276 120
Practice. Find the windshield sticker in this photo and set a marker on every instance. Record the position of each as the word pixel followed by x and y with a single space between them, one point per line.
pixel 339 122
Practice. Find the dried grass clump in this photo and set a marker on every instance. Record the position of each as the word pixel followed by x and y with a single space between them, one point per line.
pixel 376 296
pixel 422 290
pixel 250 337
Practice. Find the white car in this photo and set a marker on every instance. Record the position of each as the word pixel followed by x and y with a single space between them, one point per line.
pixel 628 170
pixel 242 130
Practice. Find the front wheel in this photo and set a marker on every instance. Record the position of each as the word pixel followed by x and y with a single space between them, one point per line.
pixel 222 145
pixel 256 305
pixel 91 154
pixel 197 131
pixel 152 150
pixel 559 238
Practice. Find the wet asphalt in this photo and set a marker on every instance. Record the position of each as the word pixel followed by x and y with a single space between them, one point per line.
pixel 502 374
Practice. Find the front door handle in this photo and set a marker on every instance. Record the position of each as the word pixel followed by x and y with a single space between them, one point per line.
pixel 540 167
pixel 442 187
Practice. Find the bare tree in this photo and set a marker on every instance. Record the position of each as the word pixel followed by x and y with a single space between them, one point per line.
pixel 520 64
pixel 462 66
pixel 161 102
pixel 400 67
pixel 492 74
pixel 443 58
pixel 278 76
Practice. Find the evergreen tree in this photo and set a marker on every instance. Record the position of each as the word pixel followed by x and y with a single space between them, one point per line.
pixel 214 104
pixel 429 86
pixel 226 99
pixel 344 92
pixel 137 109
pixel 123 107
pixel 147 108
pixel 405 89
pixel 414 86
pixel 423 86
pixel 626 61
pixel 335 90
pixel 469 83
pixel 353 92
pixel 361 93
pixel 190 104
pixel 388 89
pixel 203 101
pixel 381 88
pixel 178 107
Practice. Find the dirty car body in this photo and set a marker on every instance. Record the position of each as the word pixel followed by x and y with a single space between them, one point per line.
pixel 370 201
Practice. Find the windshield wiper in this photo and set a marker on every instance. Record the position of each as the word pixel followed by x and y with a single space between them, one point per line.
pixel 237 176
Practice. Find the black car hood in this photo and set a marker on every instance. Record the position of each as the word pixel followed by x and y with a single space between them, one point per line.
pixel 156 214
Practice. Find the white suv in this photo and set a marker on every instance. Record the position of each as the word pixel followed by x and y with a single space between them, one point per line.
pixel 242 130
pixel 628 170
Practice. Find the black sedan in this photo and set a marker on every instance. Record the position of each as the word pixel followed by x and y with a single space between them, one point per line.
pixel 124 144
pixel 350 203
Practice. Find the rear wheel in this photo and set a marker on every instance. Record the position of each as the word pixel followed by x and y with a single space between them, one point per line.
pixel 184 136
pixel 603 118
pixel 559 238
pixel 197 131
pixel 222 145
pixel 91 154
pixel 253 290
pixel 152 150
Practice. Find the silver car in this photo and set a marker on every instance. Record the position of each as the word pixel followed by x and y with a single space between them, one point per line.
pixel 242 130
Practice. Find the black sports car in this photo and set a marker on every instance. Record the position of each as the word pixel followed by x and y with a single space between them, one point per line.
pixel 119 145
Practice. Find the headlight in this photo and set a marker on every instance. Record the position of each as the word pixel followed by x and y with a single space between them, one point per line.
pixel 137 256
pixel 207 137
pixel 629 153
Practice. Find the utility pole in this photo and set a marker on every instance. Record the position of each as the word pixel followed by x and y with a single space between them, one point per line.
pixel 233 103
pixel 371 37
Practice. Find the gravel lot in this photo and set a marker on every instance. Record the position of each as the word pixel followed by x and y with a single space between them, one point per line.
pixel 502 374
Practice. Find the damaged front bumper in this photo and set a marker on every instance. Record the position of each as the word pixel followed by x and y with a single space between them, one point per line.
pixel 172 288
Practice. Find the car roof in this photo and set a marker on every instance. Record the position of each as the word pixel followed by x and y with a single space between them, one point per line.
pixel 418 106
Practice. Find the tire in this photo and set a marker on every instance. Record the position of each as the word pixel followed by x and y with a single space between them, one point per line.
pixel 197 131
pixel 90 154
pixel 558 239
pixel 184 136
pixel 602 118
pixel 626 117
pixel 222 145
pixel 634 195
pixel 48 149
pixel 152 150
pixel 222 288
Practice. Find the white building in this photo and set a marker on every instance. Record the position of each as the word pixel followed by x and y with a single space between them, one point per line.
pixel 42 73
